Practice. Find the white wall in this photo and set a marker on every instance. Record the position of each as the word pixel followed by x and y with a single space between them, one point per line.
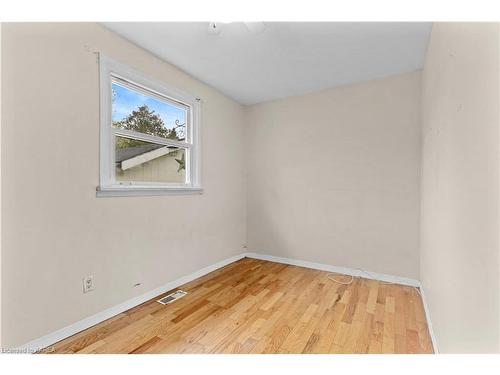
pixel 1 342
pixel 57 230
pixel 333 176
pixel 459 243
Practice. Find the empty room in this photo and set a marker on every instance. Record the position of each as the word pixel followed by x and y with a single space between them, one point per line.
pixel 250 187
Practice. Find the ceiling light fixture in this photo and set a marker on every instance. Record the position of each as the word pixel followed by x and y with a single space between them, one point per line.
pixel 215 28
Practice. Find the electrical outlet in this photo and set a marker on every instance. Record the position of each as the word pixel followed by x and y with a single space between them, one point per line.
pixel 88 284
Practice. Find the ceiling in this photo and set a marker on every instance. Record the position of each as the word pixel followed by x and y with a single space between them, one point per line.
pixel 286 58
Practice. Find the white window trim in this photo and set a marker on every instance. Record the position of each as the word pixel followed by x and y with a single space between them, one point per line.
pixel 109 68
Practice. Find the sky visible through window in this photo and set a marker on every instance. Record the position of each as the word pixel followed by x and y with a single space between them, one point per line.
pixel 125 101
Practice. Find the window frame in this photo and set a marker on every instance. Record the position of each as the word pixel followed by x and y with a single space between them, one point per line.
pixel 113 71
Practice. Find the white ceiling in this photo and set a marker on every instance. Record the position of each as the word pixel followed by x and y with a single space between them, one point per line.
pixel 287 58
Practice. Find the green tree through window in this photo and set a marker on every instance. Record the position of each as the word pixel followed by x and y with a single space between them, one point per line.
pixel 146 121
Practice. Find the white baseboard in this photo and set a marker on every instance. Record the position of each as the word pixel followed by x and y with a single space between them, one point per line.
pixel 52 338
pixel 429 322
pixel 343 270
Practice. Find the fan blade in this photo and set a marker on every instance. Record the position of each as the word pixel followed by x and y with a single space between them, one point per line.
pixel 255 27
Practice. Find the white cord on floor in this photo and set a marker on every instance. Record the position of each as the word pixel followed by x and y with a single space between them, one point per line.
pixel 331 276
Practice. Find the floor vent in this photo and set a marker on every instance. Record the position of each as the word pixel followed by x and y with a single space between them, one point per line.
pixel 172 297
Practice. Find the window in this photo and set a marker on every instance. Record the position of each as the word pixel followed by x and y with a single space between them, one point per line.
pixel 149 135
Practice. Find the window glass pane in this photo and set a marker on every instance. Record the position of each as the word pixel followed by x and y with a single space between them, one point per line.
pixel 134 110
pixel 139 161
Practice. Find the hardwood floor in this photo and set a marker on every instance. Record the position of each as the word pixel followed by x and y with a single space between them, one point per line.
pixel 255 306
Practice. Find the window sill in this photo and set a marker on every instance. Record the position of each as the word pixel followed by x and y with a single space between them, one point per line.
pixel 127 191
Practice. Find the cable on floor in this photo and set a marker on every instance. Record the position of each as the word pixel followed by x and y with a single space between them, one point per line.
pixel 331 276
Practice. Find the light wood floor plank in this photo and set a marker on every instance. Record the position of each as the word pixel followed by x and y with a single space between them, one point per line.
pixel 256 306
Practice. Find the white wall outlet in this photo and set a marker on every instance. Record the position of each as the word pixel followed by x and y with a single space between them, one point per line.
pixel 88 284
